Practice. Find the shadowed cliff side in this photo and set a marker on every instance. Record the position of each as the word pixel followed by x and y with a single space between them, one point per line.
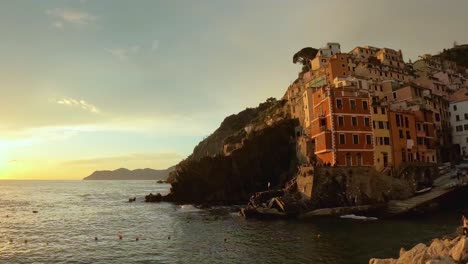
pixel 266 156
pixel 233 125
pixel 249 150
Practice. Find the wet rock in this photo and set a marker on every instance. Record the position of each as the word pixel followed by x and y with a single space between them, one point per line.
pixel 152 198
pixel 382 261
pixel 460 251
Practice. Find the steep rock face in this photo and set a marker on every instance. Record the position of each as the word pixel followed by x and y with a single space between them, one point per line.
pixel 235 127
pixel 266 155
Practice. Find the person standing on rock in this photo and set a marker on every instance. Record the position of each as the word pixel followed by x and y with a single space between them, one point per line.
pixel 465 225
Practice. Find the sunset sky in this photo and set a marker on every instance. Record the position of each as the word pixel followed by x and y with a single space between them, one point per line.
pixel 88 85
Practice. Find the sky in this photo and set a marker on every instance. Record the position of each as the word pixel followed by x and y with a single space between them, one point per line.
pixel 98 85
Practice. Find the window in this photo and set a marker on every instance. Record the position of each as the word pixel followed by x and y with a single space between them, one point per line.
pixel 406 122
pixel 339 104
pixel 401 133
pixel 408 136
pixel 466 116
pixel 355 139
pixel 394 95
pixel 340 121
pixel 418 126
pixel 437 117
pixel 364 105
pixel 368 139
pixel 381 89
pixel 342 139
pixel 381 125
pixel 457 117
pixel 375 110
pixel 467 140
pixel 419 140
pixel 454 108
pixel 465 126
pixel 373 124
pixel 383 111
pixel 353 104
pixel 386 141
pixel 366 121
pixel 403 155
pixel 354 121
pixel 459 128
pixel 397 118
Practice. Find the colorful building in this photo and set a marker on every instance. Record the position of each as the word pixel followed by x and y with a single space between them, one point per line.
pixel 342 126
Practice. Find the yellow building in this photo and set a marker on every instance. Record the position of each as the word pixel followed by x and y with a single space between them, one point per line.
pixel 382 138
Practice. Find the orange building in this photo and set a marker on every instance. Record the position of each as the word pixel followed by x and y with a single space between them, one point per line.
pixel 342 126
pixel 338 66
pixel 403 133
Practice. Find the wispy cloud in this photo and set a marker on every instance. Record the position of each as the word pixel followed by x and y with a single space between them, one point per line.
pixel 124 53
pixel 70 16
pixel 78 103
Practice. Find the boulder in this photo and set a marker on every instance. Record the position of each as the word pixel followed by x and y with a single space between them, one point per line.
pixel 438 248
pixel 460 251
pixel 382 261
pixel 441 260
pixel 151 198
pixel 416 255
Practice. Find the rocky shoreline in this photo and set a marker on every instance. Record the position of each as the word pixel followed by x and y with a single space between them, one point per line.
pixel 447 250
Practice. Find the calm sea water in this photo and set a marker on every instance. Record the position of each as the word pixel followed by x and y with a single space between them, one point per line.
pixel 72 213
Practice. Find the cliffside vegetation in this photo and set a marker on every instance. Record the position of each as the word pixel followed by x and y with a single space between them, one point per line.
pixel 232 126
pixel 458 54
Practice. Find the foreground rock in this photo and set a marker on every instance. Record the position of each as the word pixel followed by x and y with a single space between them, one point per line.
pixel 441 251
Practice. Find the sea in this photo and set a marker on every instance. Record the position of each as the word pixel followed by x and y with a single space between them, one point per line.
pixel 93 222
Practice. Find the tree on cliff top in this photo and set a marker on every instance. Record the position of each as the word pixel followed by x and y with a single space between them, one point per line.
pixel 304 56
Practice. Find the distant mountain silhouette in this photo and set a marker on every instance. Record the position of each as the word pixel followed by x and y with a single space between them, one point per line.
pixel 126 174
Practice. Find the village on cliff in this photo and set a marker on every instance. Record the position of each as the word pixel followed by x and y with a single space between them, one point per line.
pixel 368 107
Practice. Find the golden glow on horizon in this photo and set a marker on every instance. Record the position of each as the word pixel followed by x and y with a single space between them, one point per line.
pixel 3 160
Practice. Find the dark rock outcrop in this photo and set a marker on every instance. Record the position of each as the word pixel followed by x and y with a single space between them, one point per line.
pixel 249 150
pixel 266 156
pixel 126 174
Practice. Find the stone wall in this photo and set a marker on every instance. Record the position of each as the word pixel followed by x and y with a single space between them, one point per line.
pixel 305 181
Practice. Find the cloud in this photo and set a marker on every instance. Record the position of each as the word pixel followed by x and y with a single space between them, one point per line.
pixel 70 16
pixel 78 103
pixel 58 25
pixel 124 53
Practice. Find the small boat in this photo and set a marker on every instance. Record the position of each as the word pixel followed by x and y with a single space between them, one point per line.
pixel 358 217
pixel 425 190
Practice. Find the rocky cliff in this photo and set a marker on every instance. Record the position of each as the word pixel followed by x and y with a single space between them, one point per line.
pixel 246 152
pixel 126 174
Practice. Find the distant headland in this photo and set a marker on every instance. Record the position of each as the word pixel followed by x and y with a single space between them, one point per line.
pixel 126 174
